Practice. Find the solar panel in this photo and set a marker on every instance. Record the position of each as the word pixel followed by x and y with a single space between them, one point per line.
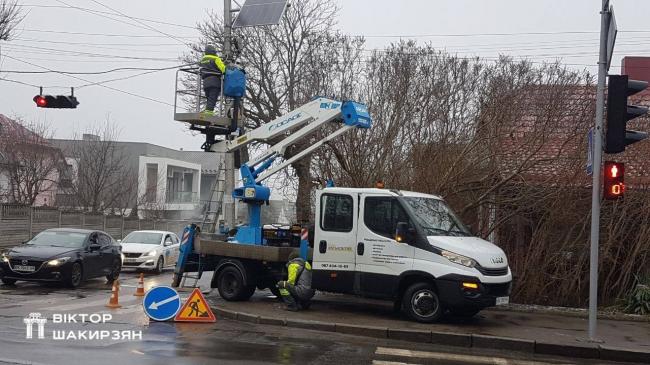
pixel 260 12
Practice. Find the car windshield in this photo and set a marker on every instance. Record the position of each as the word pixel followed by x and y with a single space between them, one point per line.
pixel 148 238
pixel 435 217
pixel 59 238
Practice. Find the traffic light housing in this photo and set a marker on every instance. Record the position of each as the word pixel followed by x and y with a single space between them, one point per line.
pixel 614 182
pixel 619 113
pixel 56 101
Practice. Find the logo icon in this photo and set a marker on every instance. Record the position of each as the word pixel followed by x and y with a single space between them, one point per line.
pixel 497 260
pixel 34 319
pixel 24 262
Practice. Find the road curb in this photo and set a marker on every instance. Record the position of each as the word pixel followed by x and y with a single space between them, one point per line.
pixel 586 351
pixel 504 343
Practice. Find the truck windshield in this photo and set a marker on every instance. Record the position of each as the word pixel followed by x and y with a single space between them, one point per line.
pixel 435 217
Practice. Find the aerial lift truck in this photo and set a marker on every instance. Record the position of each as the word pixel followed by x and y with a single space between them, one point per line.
pixel 406 247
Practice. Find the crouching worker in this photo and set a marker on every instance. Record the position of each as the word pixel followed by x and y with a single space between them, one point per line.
pixel 296 291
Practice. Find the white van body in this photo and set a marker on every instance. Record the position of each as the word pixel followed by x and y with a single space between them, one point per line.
pixel 434 266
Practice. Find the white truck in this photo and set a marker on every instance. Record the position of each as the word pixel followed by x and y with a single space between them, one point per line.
pixel 406 247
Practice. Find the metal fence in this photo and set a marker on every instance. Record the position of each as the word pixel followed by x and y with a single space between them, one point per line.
pixel 19 223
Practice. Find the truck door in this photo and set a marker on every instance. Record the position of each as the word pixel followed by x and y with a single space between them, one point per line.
pixel 334 243
pixel 380 259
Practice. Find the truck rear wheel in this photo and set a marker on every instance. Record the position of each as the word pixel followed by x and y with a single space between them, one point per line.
pixel 421 303
pixel 231 286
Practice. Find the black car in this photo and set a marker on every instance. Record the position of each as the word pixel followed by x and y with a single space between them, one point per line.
pixel 63 255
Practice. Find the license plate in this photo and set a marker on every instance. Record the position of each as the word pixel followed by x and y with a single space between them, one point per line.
pixel 503 300
pixel 129 260
pixel 24 268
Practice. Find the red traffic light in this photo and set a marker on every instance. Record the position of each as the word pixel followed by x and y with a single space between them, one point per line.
pixel 41 101
pixel 614 182
pixel 56 101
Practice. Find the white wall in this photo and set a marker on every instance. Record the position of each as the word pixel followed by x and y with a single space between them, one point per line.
pixel 163 163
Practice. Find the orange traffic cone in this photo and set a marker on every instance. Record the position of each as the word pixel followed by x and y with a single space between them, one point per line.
pixel 114 302
pixel 139 292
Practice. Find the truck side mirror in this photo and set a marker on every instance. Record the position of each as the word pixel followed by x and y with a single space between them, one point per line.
pixel 402 232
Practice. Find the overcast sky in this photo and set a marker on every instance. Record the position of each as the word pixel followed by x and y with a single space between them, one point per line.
pixel 466 27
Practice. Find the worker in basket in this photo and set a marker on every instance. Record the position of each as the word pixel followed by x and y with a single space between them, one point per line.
pixel 296 291
pixel 212 68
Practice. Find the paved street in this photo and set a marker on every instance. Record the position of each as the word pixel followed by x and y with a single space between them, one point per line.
pixel 226 341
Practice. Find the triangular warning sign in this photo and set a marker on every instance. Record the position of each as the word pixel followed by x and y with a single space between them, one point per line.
pixel 195 309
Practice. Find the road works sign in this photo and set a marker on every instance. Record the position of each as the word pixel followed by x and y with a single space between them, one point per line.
pixel 161 303
pixel 195 309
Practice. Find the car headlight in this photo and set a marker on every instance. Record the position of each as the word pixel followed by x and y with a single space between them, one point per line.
pixel 458 259
pixel 151 253
pixel 122 256
pixel 58 262
pixel 5 258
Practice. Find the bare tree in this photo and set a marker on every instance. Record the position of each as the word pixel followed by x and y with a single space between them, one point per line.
pixel 149 201
pixel 104 179
pixel 31 165
pixel 10 16
pixel 287 65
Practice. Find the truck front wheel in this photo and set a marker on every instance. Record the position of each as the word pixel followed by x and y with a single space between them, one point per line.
pixel 421 303
pixel 231 286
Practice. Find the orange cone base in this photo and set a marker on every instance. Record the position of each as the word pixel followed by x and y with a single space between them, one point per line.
pixel 109 305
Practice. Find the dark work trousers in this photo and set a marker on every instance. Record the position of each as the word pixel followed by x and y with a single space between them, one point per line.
pixel 212 94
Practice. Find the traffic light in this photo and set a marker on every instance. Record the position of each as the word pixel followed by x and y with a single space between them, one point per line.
pixel 58 101
pixel 619 113
pixel 614 182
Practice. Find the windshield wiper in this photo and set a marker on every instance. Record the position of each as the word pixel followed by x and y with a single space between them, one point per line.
pixel 435 229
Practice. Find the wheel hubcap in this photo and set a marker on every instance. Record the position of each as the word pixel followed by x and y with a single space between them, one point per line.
pixel 76 273
pixel 230 284
pixel 424 303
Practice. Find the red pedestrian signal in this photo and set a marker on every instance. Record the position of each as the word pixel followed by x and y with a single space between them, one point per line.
pixel 614 182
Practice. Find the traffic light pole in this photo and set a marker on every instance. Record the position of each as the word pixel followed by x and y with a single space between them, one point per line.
pixel 598 153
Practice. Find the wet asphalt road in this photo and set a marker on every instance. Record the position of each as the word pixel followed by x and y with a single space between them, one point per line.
pixel 223 342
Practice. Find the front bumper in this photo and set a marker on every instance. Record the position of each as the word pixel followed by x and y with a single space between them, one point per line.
pixel 43 273
pixel 143 262
pixel 453 295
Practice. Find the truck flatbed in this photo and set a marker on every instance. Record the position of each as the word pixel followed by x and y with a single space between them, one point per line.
pixel 213 246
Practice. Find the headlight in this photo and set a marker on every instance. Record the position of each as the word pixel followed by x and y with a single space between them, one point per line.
pixel 57 262
pixel 458 259
pixel 151 253
pixel 5 258
pixel 122 256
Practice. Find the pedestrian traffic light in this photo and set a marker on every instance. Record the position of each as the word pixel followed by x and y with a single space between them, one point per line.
pixel 614 182
pixel 58 101
pixel 619 113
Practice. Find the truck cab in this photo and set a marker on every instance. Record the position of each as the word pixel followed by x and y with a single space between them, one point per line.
pixel 406 247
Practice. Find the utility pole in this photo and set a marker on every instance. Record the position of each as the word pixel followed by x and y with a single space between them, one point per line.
pixel 598 153
pixel 229 173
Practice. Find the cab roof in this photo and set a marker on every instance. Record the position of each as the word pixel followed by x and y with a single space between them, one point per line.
pixel 387 192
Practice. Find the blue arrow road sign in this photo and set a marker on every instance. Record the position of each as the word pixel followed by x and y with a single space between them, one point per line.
pixel 161 303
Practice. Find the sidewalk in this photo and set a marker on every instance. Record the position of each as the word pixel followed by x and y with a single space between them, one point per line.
pixel 530 332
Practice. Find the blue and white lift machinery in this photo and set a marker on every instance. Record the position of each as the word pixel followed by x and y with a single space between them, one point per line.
pixel 252 241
